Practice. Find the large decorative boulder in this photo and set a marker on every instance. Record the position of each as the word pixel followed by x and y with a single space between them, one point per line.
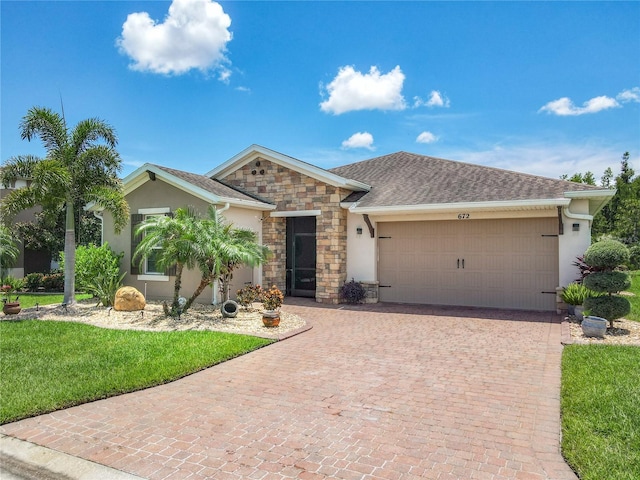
pixel 128 299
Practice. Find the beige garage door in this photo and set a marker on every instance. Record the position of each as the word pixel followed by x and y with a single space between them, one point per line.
pixel 485 263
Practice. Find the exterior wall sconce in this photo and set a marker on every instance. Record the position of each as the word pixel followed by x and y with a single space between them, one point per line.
pixel 152 175
pixel 576 227
pixel 359 230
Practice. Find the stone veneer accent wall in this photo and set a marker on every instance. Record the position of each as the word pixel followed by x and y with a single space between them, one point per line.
pixel 291 191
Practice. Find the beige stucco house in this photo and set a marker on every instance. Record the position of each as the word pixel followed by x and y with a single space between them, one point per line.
pixel 413 228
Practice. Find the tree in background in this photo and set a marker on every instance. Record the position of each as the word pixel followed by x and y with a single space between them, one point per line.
pixel 620 218
pixel 81 165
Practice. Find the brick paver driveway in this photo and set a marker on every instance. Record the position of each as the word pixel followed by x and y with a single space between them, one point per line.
pixel 392 392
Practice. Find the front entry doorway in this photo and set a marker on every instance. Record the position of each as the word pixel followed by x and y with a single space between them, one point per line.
pixel 301 256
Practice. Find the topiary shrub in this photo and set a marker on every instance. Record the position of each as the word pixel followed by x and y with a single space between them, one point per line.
pixel 607 306
pixel 352 292
pixel 607 255
pixel 609 282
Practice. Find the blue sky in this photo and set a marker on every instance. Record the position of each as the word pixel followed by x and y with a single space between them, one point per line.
pixel 543 87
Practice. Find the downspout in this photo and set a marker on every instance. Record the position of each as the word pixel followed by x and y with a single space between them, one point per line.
pixel 214 287
pixel 577 216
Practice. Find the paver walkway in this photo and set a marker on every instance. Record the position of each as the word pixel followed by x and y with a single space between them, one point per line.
pixel 381 391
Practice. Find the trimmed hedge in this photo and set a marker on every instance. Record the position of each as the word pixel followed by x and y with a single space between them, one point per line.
pixel 607 254
pixel 610 307
pixel 609 282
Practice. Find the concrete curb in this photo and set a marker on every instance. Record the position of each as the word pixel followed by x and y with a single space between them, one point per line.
pixel 25 460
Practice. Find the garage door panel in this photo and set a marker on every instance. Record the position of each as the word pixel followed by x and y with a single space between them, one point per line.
pixel 507 263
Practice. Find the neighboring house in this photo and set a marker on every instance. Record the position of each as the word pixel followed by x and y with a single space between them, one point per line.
pixel 29 261
pixel 413 228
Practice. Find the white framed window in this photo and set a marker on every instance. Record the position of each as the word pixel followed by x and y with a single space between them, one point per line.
pixel 150 270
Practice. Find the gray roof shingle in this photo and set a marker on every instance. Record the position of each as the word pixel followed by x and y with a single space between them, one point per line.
pixel 409 179
pixel 212 186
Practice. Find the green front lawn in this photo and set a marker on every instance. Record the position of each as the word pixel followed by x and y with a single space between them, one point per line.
pixel 28 300
pixel 49 365
pixel 635 299
pixel 600 402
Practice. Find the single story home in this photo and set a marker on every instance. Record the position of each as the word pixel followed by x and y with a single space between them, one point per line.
pixel 412 228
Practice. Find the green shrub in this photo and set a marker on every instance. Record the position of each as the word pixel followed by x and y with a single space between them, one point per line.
pixel 634 257
pixel 34 281
pixel 607 254
pixel 610 307
pixel 609 282
pixel 53 282
pixel 104 287
pixel 93 262
pixel 575 293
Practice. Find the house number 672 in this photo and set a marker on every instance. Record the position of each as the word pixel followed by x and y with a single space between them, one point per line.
pixel 463 216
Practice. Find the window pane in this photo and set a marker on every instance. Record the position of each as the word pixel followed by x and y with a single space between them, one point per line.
pixel 151 262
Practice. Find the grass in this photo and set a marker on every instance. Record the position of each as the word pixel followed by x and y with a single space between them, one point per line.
pixel 50 365
pixel 600 403
pixel 635 300
pixel 28 300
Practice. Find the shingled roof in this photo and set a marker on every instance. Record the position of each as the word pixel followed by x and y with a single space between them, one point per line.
pixel 212 186
pixel 409 179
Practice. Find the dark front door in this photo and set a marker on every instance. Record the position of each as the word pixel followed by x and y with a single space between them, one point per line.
pixel 301 256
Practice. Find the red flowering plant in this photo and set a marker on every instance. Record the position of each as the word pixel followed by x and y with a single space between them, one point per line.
pixel 11 287
pixel 272 299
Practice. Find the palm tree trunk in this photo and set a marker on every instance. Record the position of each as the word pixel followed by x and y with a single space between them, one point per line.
pixel 178 284
pixel 69 256
pixel 203 284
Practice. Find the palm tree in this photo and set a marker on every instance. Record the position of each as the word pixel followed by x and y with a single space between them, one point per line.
pixel 226 249
pixel 9 251
pixel 77 168
pixel 172 241
pixel 185 240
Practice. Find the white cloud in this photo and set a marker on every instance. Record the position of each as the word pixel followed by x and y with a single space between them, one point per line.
pixel 436 99
pixel 631 95
pixel 194 35
pixel 359 140
pixel 426 137
pixel 352 90
pixel 547 159
pixel 564 106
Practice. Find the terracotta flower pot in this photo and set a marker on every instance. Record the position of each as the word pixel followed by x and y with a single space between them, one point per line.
pixel 271 318
pixel 11 308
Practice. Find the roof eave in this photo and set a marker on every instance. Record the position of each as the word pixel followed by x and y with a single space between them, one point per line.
pixel 459 206
pixel 254 151
pixel 140 176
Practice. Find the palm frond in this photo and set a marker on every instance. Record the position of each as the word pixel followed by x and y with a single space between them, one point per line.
pixel 17 201
pixel 47 125
pixel 88 131
pixel 113 200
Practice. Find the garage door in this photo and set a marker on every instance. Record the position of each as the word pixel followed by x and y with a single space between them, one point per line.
pixel 485 263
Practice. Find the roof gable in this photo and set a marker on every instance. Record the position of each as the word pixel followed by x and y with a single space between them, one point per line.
pixel 200 186
pixel 255 152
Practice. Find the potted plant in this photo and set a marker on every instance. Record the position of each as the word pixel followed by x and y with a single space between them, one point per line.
pixel 271 301
pixel 573 295
pixel 607 256
pixel 10 289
